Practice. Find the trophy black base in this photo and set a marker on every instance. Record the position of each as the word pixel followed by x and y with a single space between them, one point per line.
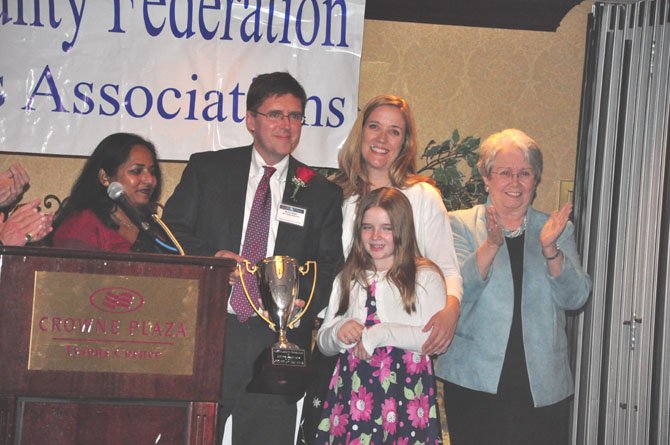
pixel 282 372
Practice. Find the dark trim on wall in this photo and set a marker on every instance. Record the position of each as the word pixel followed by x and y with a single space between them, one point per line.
pixel 531 15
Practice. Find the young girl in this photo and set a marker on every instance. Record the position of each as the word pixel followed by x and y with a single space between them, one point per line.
pixel 382 389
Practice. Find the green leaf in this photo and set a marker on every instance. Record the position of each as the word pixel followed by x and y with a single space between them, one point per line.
pixel 432 151
pixel 365 438
pixel 445 147
pixel 355 382
pixel 409 395
pixel 450 163
pixel 418 388
pixel 470 143
pixel 453 176
pixel 432 412
pixel 455 136
pixel 324 425
pixel 439 176
pixel 392 377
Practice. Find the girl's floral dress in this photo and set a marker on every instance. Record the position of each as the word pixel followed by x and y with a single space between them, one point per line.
pixel 388 399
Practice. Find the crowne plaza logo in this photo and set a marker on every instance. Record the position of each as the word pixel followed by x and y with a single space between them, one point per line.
pixel 116 299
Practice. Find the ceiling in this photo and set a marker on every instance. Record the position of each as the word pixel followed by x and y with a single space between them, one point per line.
pixel 533 15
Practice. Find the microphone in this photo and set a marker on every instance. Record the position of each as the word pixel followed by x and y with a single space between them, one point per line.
pixel 116 193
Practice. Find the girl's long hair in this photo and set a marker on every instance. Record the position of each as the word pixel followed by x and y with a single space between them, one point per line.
pixel 406 255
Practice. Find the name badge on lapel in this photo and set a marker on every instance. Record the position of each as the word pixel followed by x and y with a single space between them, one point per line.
pixel 292 214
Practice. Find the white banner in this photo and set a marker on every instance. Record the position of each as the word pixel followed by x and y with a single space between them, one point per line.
pixel 173 71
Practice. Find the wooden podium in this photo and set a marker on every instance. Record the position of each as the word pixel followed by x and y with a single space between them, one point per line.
pixel 108 348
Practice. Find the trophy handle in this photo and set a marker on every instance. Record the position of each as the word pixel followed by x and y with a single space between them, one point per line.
pixel 252 270
pixel 304 270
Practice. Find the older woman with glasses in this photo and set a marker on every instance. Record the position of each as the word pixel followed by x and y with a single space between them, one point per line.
pixel 508 379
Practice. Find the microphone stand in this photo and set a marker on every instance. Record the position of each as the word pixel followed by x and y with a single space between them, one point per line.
pixel 167 231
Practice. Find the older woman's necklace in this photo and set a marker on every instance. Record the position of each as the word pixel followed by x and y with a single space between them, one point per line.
pixel 517 232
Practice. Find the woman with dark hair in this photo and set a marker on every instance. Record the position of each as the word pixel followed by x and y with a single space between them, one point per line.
pixel 90 219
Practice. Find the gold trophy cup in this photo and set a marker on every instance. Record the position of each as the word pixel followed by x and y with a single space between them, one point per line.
pixel 281 368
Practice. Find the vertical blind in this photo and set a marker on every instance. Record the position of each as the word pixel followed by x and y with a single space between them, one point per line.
pixel 622 210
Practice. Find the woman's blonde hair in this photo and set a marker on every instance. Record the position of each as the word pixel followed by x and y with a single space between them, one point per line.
pixel 353 175
pixel 406 253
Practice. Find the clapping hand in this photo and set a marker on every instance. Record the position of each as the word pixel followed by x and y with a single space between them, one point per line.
pixel 493 228
pixel 13 183
pixel 554 226
pixel 26 224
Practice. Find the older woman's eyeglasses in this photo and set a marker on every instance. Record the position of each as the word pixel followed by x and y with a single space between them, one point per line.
pixel 278 116
pixel 507 174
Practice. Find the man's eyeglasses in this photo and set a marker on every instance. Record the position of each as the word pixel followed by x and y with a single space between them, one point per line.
pixel 522 175
pixel 278 116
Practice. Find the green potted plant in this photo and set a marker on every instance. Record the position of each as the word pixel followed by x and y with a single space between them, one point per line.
pixel 452 163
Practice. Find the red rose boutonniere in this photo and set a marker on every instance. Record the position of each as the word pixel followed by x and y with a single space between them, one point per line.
pixel 303 176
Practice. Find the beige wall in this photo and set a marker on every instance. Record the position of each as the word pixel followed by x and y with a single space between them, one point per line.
pixel 475 79
pixel 481 80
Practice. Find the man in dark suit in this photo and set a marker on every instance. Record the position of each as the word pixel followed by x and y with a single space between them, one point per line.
pixel 209 214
